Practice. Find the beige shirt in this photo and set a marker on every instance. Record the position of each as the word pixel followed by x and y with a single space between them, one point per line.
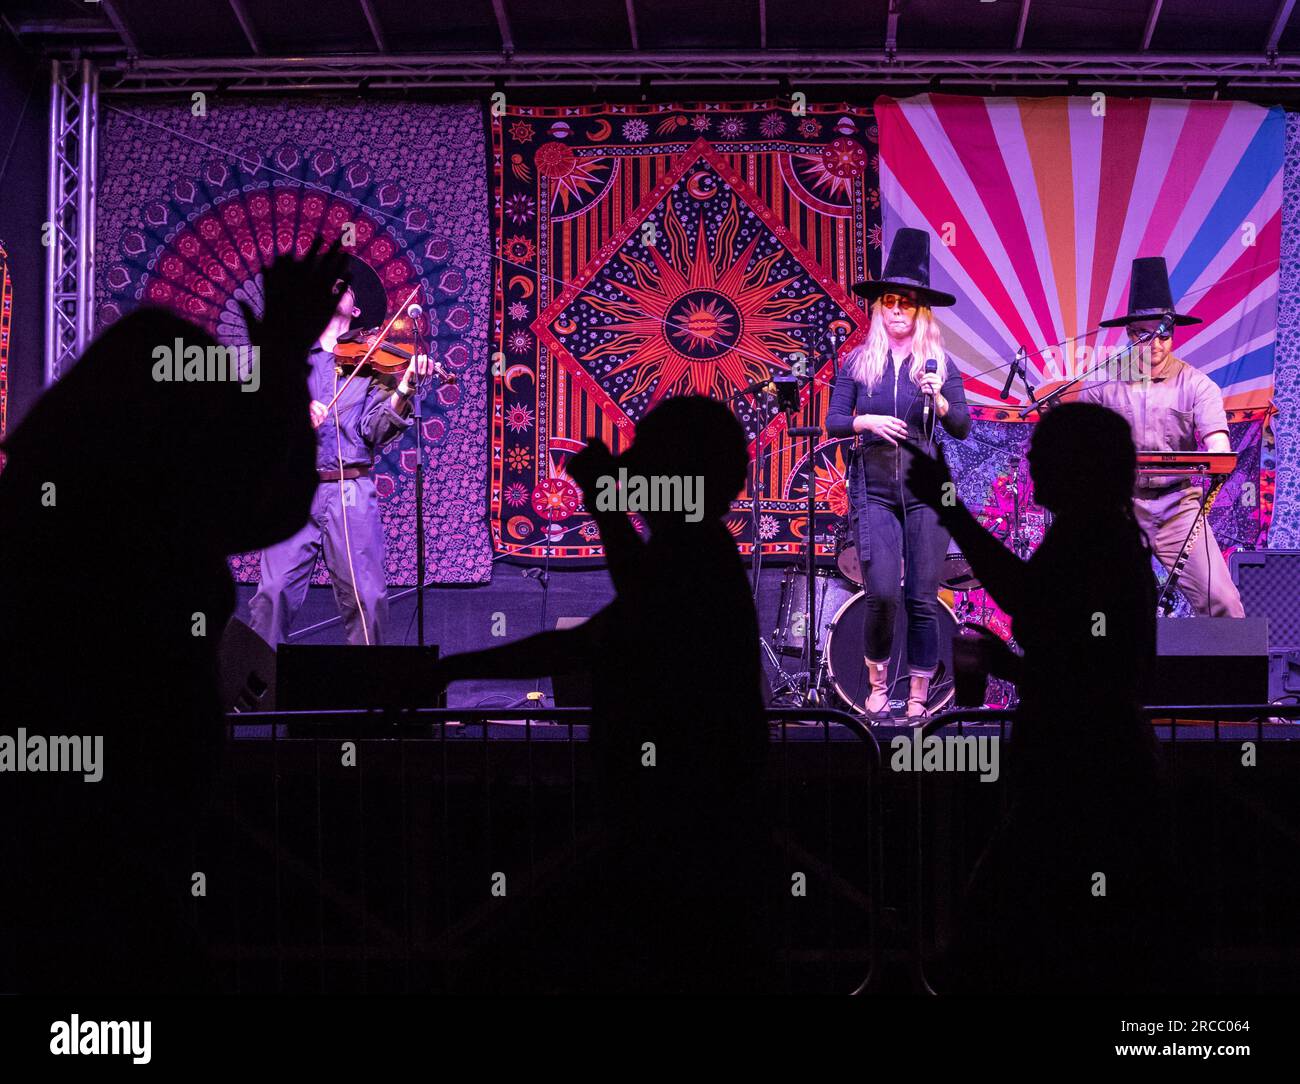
pixel 1172 414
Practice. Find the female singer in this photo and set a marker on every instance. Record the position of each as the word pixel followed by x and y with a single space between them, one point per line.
pixel 881 395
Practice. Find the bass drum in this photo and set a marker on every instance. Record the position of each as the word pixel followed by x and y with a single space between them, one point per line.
pixel 848 670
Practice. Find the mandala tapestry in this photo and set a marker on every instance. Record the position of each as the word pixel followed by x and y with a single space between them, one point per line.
pixel 190 209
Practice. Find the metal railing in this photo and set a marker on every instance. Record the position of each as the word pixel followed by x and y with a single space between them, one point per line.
pixel 1202 733
pixel 362 844
pixel 375 855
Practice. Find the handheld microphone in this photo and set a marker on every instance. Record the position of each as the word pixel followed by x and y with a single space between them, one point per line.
pixel 931 366
pixel 415 312
pixel 1016 364
pixel 1165 328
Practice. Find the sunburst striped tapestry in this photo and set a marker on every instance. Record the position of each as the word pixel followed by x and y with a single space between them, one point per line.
pixel 1042 205
pixel 1039 207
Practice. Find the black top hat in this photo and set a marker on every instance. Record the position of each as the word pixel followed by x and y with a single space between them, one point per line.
pixel 907 268
pixel 1149 297
pixel 371 297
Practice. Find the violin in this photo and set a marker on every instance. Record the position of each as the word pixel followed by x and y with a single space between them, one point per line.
pixel 372 351
pixel 367 347
pixel 384 359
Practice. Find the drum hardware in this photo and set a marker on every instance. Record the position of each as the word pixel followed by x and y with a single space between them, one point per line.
pixel 846 550
pixel 956 574
pixel 786 390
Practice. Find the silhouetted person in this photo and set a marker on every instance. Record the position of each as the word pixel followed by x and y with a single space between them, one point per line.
pixel 1083 767
pixel 123 495
pixel 678 732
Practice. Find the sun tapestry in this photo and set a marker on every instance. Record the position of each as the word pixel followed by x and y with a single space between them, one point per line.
pixel 647 251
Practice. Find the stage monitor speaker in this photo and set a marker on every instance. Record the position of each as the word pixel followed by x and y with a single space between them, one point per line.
pixel 317 677
pixel 571 690
pixel 246 670
pixel 1269 584
pixel 1210 660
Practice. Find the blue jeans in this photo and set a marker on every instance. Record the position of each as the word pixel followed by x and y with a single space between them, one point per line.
pixel 910 573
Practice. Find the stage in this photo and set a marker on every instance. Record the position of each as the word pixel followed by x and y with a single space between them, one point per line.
pixel 572 503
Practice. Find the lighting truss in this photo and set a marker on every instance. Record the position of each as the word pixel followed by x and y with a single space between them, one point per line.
pixel 1228 74
pixel 69 230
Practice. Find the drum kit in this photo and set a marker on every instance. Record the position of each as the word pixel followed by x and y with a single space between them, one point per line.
pixel 840 673
pixel 841 606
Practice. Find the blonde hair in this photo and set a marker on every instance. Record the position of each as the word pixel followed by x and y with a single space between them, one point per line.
pixel 866 363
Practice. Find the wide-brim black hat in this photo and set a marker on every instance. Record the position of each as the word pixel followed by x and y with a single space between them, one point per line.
pixel 1149 296
pixel 371 297
pixel 907 268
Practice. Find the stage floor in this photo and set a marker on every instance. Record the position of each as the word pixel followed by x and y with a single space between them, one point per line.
pixel 516 730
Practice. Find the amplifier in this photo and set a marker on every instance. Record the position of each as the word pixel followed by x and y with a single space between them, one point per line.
pixel 1210 660
pixel 1269 584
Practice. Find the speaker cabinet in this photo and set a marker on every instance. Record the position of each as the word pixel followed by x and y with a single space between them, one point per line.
pixel 1269 584
pixel 1210 660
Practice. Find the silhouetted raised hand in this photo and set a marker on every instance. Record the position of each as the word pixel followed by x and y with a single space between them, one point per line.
pixel 300 297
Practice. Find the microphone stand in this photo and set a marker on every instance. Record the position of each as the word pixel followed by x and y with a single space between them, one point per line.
pixel 1052 396
pixel 812 696
pixel 779 681
pixel 755 555
pixel 811 432
pixel 417 405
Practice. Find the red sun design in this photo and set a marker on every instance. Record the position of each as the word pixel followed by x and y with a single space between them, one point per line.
pixel 696 321
pixel 703 324
pixel 832 480
pixel 573 177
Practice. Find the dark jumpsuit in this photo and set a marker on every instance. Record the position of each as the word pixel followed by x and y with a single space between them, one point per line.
pixel 353 548
pixel 900 541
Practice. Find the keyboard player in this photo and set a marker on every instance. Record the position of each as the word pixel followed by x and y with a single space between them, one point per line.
pixel 1168 409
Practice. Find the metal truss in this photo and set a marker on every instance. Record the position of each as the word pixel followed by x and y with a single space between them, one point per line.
pixel 1180 72
pixel 69 231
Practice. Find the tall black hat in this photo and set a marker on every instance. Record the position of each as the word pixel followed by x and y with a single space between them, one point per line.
pixel 371 297
pixel 1149 296
pixel 907 268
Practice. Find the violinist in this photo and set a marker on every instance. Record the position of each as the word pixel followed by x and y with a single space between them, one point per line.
pixel 354 419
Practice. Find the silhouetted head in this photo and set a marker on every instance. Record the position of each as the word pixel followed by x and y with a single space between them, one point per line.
pixel 1082 456
pixel 698 443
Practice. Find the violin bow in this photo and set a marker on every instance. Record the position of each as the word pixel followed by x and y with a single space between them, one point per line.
pixel 379 340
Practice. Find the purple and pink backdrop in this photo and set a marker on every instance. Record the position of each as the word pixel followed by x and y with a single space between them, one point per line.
pixel 669 249
pixel 1044 204
pixel 190 209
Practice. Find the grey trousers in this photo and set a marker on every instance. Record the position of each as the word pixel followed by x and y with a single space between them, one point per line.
pixel 1206 581
pixel 354 556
